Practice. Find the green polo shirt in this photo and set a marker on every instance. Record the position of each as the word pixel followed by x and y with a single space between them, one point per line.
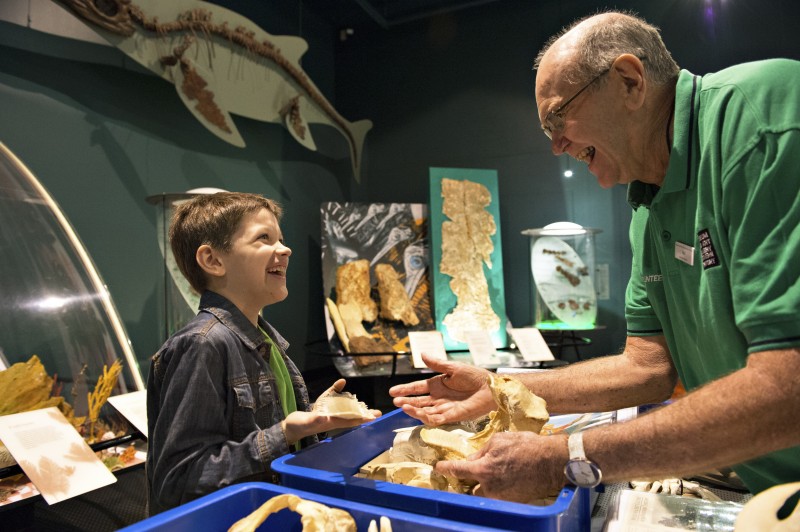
pixel 716 250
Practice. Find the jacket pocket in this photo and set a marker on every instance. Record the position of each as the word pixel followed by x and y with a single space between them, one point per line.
pixel 244 396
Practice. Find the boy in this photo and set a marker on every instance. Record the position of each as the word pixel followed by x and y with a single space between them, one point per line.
pixel 223 398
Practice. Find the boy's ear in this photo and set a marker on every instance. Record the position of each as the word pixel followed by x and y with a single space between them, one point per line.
pixel 209 260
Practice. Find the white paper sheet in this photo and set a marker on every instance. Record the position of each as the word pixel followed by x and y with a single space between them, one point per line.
pixel 532 346
pixel 428 342
pixel 134 407
pixel 54 456
pixel 481 348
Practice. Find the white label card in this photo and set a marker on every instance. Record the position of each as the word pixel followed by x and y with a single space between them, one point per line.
pixel 481 348
pixel 428 342
pixel 134 407
pixel 53 455
pixel 532 346
pixel 684 253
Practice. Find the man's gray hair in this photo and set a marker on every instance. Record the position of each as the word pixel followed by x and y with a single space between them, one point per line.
pixel 601 43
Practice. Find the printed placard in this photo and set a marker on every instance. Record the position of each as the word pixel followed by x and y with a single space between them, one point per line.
pixel 54 456
pixel 481 347
pixel 531 344
pixel 428 342
pixel 134 407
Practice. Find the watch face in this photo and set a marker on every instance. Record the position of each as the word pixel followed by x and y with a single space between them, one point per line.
pixel 583 473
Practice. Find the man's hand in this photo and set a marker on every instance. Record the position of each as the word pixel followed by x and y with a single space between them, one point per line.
pixel 514 466
pixel 460 393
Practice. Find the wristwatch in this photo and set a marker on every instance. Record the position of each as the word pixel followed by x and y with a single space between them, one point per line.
pixel 581 471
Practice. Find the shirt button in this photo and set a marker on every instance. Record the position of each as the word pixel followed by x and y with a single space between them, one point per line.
pixel 666 235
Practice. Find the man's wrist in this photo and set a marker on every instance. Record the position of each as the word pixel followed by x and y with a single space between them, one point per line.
pixel 580 470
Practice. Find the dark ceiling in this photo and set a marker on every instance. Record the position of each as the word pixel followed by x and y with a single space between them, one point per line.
pixel 384 13
pixel 387 13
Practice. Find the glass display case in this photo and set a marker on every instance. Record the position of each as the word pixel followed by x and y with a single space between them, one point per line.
pixel 54 303
pixel 180 301
pixel 563 269
pixel 60 333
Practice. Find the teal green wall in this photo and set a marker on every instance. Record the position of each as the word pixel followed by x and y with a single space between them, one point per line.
pixel 457 90
pixel 102 138
pixel 448 91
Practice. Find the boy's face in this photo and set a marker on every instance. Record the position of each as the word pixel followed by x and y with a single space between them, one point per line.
pixel 255 267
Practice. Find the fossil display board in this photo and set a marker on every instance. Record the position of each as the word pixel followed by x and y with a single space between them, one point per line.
pixel 467 258
pixel 388 241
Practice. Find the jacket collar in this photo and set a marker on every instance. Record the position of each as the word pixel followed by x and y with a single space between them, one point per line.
pixel 233 318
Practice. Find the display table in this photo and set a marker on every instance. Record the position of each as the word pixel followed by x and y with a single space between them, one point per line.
pixel 371 382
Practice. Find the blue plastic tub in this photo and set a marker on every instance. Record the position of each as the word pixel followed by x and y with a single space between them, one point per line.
pixel 219 510
pixel 329 467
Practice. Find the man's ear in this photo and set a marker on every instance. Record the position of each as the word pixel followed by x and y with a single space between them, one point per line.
pixel 631 70
pixel 209 260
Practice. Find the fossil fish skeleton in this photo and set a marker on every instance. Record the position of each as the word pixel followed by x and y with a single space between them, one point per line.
pixel 221 63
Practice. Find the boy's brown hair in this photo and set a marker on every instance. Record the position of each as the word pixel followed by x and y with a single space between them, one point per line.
pixel 211 219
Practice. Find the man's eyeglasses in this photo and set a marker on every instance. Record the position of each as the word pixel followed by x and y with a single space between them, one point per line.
pixel 554 121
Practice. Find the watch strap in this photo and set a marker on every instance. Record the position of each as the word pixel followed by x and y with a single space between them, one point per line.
pixel 575 445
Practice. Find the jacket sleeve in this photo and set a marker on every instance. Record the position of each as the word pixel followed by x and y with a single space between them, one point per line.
pixel 192 449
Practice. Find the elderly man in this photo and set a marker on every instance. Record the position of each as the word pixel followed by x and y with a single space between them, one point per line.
pixel 712 165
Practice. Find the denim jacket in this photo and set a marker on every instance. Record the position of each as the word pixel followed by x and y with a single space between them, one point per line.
pixel 213 408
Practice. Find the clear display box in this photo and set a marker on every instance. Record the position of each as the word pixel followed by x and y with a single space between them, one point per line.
pixel 563 270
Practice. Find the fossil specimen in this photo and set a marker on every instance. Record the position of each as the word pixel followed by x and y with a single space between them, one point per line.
pixel 466 247
pixel 395 304
pixel 353 286
pixel 518 409
pixel 221 63
pixel 314 516
pixel 341 404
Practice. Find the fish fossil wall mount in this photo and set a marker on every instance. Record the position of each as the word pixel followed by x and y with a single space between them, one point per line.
pixel 221 63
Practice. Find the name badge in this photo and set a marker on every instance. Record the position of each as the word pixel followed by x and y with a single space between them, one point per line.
pixel 684 253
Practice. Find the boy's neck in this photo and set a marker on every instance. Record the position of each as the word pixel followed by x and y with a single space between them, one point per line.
pixel 251 314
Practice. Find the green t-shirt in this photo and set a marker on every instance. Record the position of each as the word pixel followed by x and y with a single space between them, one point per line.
pixel 716 250
pixel 282 380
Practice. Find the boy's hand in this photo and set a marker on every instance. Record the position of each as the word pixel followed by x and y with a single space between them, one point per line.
pixel 337 387
pixel 298 425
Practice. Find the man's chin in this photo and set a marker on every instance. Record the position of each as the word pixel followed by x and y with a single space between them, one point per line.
pixel 605 181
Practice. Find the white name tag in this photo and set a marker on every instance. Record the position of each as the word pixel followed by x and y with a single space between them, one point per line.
pixel 684 253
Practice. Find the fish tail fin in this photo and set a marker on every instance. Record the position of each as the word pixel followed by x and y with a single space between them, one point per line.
pixel 358 130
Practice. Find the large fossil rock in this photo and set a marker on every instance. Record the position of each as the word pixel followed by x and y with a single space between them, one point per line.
pixel 353 286
pixel 518 409
pixel 395 304
pixel 416 450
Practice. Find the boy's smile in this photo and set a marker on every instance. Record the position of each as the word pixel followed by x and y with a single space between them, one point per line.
pixel 253 273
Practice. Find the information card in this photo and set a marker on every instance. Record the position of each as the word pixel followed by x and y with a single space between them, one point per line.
pixel 53 455
pixel 481 348
pixel 428 342
pixel 532 346
pixel 134 407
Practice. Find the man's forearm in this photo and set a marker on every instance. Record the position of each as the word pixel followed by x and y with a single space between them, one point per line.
pixel 746 414
pixel 642 374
